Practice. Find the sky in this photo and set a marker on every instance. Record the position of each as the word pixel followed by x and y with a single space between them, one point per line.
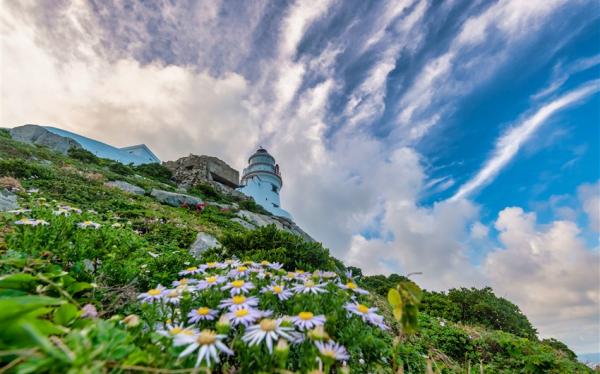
pixel 458 138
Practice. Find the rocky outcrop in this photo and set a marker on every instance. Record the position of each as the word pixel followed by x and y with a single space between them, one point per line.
pixel 38 135
pixel 193 170
pixel 125 186
pixel 259 220
pixel 8 200
pixel 175 199
pixel 203 242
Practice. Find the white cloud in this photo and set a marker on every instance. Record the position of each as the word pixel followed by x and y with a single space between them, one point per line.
pixel 479 230
pixel 509 143
pixel 589 196
pixel 548 271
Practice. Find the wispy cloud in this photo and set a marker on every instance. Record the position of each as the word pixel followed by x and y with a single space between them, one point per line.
pixel 509 143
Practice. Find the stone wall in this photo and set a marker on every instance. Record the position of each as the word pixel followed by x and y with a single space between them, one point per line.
pixel 192 170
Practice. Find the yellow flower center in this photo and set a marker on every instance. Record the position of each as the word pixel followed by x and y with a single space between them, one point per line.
pixel 241 269
pixel 362 308
pixel 176 330
pixel 328 353
pixel 299 271
pixel 291 275
pixel 191 268
pixel 277 289
pixel 202 311
pixel 173 294
pixel 154 292
pixel 351 285
pixel 241 313
pixel 212 279
pixel 183 281
pixel 187 332
pixel 238 299
pixel 207 337
pixel 268 324
pixel 237 283
pixel 305 316
pixel 211 264
pixel 309 283
pixel 87 222
pixel 264 262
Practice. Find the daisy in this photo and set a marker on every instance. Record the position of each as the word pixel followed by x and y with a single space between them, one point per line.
pixel 367 314
pixel 239 301
pixel 190 271
pixel 172 296
pixel 202 314
pixel 332 350
pixel 152 295
pixel 240 271
pixel 184 282
pixel 31 222
pixel 244 316
pixel 173 330
pixel 280 291
pixel 86 224
pixel 350 285
pixel 238 286
pixel 276 266
pixel 211 265
pixel 209 343
pixel 268 330
pixel 231 263
pixel 307 320
pixel 211 281
pixel 309 286
pixel 116 225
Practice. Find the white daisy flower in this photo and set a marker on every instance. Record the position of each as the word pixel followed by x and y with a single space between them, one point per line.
pixel 152 295
pixel 70 209
pixel 170 331
pixel 276 266
pixel 208 343
pixel 184 282
pixel 309 286
pixel 231 263
pixel 244 316
pixel 238 286
pixel 211 265
pixel 31 222
pixel 279 290
pixel 190 271
pixel 367 314
pixel 332 350
pixel 116 225
pixel 211 281
pixel 351 286
pixel 307 320
pixel 202 314
pixel 172 296
pixel 269 330
pixel 61 212
pixel 86 224
pixel 239 301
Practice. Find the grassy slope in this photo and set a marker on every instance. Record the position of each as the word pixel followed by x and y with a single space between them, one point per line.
pixel 120 259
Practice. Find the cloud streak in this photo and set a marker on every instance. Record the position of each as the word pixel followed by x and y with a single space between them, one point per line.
pixel 508 145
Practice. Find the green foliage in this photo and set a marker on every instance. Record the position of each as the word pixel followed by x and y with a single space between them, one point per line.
pixel 19 168
pixel 380 284
pixel 155 171
pixel 252 206
pixel 119 168
pixel 207 191
pixel 83 155
pixel 405 299
pixel 5 134
pixel 479 306
pixel 274 245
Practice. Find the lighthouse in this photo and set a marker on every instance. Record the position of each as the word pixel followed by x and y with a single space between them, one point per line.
pixel 262 181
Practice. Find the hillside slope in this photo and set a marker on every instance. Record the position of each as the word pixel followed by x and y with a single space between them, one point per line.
pixel 81 262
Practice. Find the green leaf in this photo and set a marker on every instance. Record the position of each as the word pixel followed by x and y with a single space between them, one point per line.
pixel 15 307
pixel 65 314
pixel 17 281
pixel 397 312
pixel 78 287
pixel 394 297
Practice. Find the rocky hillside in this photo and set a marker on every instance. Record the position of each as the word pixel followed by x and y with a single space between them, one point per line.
pixel 113 268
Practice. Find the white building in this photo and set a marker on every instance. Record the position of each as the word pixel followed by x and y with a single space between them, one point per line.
pixel 262 181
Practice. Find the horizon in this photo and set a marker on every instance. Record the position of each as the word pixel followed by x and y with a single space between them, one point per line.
pixel 458 140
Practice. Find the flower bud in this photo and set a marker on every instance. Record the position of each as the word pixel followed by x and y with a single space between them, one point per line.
pixel 223 325
pixel 131 320
pixel 318 333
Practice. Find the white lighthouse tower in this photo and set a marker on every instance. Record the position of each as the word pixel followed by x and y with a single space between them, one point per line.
pixel 262 181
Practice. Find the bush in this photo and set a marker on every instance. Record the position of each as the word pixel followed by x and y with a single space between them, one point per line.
pixel 119 168
pixel 83 155
pixel 155 171
pixel 380 284
pixel 269 243
pixel 20 169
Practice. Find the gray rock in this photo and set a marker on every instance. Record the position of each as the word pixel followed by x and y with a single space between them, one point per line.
pixel 175 199
pixel 259 220
pixel 8 201
pixel 203 242
pixel 35 134
pixel 192 170
pixel 127 187
pixel 245 224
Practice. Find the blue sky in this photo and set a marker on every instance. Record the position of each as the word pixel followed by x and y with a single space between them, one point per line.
pixel 459 139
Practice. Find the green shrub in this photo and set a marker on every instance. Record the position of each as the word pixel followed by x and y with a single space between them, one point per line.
pixel 380 284
pixel 155 171
pixel 252 206
pixel 83 155
pixel 5 134
pixel 119 168
pixel 19 168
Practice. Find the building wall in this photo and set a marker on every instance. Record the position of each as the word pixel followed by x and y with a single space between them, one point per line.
pixel 261 189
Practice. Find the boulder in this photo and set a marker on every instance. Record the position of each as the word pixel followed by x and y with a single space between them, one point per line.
pixel 193 170
pixel 8 201
pixel 38 135
pixel 245 224
pixel 127 187
pixel 203 242
pixel 175 199
pixel 259 220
